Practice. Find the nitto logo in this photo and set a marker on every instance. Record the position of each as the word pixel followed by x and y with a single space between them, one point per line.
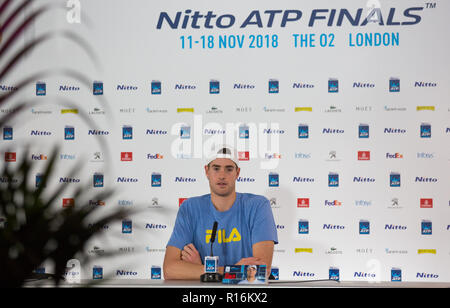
pixel 125 273
pixel 273 131
pixel 184 87
pixel 302 274
pixel 208 131
pixel 364 275
pixel 126 180
pixel 156 132
pixel 122 87
pixel 40 133
pixel 425 275
pixel 96 132
pixel 192 19
pixel 69 180
pixel 360 179
pixel 394 227
pixel 66 88
pixel 155 226
pixel 243 179
pixel 422 84
pixel 302 179
pixel 243 86
pixel 394 131
pixel 425 180
pixel 332 131
pixel 333 227
pixel 300 85
pixel 363 85
pixel 185 180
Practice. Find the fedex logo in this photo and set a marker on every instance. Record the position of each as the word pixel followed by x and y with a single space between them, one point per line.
pixel 332 203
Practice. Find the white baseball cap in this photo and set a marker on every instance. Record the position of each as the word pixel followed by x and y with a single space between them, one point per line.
pixel 223 151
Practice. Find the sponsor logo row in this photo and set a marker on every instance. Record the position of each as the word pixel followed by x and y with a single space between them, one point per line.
pixel 426 227
pixel 364 227
pixel 155 179
pixel 303 131
pixel 332 109
pixel 273 86
pixel 242 156
pixel 396 274
pixel 301 203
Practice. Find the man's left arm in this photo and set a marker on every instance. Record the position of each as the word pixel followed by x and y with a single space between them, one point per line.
pixel 264 233
pixel 264 251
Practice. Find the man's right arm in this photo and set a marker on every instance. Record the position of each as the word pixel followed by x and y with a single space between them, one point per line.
pixel 176 268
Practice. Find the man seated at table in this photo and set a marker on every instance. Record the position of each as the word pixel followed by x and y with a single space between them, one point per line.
pixel 246 231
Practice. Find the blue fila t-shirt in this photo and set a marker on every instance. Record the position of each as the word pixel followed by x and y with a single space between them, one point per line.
pixel 248 221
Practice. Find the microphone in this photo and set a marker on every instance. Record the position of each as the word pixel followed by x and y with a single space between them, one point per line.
pixel 211 262
pixel 213 236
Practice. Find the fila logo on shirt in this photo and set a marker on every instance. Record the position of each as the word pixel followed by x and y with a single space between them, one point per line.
pixel 221 236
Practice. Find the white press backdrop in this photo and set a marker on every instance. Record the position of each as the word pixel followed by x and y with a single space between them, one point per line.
pixel 131 53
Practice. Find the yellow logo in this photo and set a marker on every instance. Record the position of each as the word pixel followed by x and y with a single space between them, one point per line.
pixel 298 250
pixel 185 110
pixel 298 109
pixel 69 111
pixel 221 236
pixel 421 251
pixel 419 108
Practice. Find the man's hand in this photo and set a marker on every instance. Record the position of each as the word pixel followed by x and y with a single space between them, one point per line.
pixel 251 261
pixel 190 254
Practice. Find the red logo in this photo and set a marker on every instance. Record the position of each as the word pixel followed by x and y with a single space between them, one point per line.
pixel 244 155
pixel 126 156
pixel 68 202
pixel 363 155
pixel 10 157
pixel 302 202
pixel 426 203
pixel 180 200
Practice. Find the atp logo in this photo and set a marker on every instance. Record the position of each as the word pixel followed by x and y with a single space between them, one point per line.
pixel 222 237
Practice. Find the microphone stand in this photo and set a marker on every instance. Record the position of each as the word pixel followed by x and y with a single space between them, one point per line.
pixel 212 277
